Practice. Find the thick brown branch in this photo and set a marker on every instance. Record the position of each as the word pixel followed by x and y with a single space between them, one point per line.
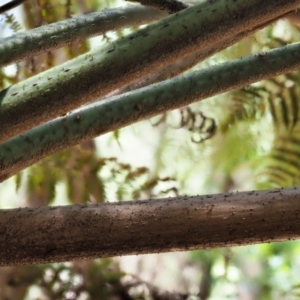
pixel 53 234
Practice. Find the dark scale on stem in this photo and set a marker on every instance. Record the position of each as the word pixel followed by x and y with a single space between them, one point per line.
pixel 78 119
pixel 138 107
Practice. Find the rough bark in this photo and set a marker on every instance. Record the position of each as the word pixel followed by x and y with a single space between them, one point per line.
pixel 54 234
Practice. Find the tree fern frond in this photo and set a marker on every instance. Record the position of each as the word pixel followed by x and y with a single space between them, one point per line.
pixel 289 165
pixel 284 105
pixel 12 22
pixel 201 126
pixel 247 104
pixel 272 177
pixel 282 166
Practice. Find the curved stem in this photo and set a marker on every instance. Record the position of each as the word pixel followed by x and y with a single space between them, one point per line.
pixel 48 37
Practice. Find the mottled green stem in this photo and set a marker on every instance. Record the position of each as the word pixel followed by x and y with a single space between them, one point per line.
pixel 92 75
pixel 186 63
pixel 170 6
pixel 53 36
pixel 26 149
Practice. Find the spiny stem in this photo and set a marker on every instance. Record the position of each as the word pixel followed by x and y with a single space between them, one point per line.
pixel 48 37
pixel 29 147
